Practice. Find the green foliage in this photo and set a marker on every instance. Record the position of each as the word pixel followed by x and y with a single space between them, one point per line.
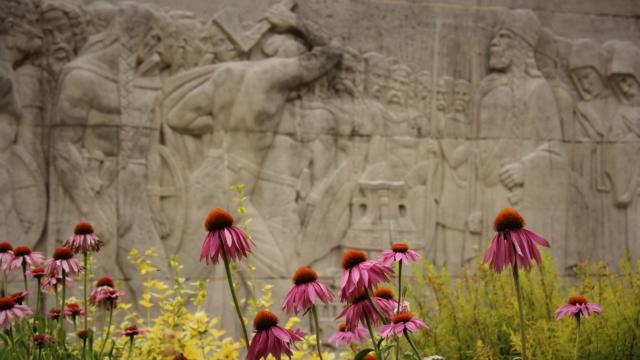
pixel 474 315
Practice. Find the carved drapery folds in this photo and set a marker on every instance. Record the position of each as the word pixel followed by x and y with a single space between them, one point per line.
pixel 138 119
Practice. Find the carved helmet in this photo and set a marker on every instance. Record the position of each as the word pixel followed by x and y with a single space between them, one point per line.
pixel 625 58
pixel 522 22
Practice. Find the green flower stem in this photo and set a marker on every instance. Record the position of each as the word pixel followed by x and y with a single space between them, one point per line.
pixel 398 308
pixel 37 315
pixel 130 348
pixel 314 313
pixel 577 335
pixel 413 346
pixel 233 294
pixel 61 334
pixel 106 336
pixel 24 278
pixel 516 280
pixel 375 308
pixel 373 337
pixel 85 259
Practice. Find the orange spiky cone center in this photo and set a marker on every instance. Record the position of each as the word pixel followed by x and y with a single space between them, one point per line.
pixel 400 248
pixel 5 247
pixel 402 317
pixel 264 320
pixel 304 275
pixel 105 281
pixel 22 251
pixel 83 228
pixel 384 293
pixel 62 253
pixel 6 303
pixel 218 219
pixel 343 328
pixel 508 219
pixel 352 258
pixel 577 299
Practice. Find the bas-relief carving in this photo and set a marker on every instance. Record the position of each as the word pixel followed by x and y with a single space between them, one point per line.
pixel 139 118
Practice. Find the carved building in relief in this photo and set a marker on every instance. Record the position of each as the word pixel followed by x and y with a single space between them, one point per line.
pixel 139 118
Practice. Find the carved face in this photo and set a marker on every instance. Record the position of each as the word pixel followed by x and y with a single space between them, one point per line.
pixel 589 81
pixel 398 88
pixel 151 44
pixel 500 51
pixel 58 36
pixel 460 98
pixel 443 94
pixel 345 78
pixel 375 82
pixel 627 85
pixel 25 40
pixel 223 49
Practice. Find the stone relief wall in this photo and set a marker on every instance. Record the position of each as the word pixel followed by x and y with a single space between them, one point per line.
pixel 138 118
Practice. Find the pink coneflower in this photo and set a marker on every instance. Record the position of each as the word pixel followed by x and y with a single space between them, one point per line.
pixel 50 284
pixel 83 239
pixel 269 338
pixel 383 294
pixel 41 340
pixel 577 305
pixel 19 296
pixel 72 311
pixel 36 273
pixel 360 307
pixel 54 314
pixel 10 312
pixel 398 253
pixel 105 295
pixel 400 323
pixel 63 260
pixel 306 291
pixel 83 334
pixel 360 274
pixel 345 335
pixel 513 244
pixel 222 234
pixel 131 331
pixel 6 253
pixel 23 255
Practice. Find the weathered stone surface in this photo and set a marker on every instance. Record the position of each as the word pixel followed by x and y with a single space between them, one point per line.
pixel 351 124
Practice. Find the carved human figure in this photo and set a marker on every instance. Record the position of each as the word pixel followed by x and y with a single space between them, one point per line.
pixel 21 180
pixel 518 132
pixel 101 138
pixel 424 94
pixel 621 151
pixel 377 72
pixel 453 242
pixel 246 99
pixel 64 33
pixel 443 104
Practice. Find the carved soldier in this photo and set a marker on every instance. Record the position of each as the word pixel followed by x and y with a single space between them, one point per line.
pixel 518 132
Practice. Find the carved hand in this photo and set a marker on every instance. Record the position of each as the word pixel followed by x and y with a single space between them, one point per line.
pixel 281 18
pixel 511 175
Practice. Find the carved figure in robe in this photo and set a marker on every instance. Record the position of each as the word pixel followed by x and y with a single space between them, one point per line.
pixel 22 193
pixel 519 130
pixel 101 138
pixel 621 152
pixel 454 241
